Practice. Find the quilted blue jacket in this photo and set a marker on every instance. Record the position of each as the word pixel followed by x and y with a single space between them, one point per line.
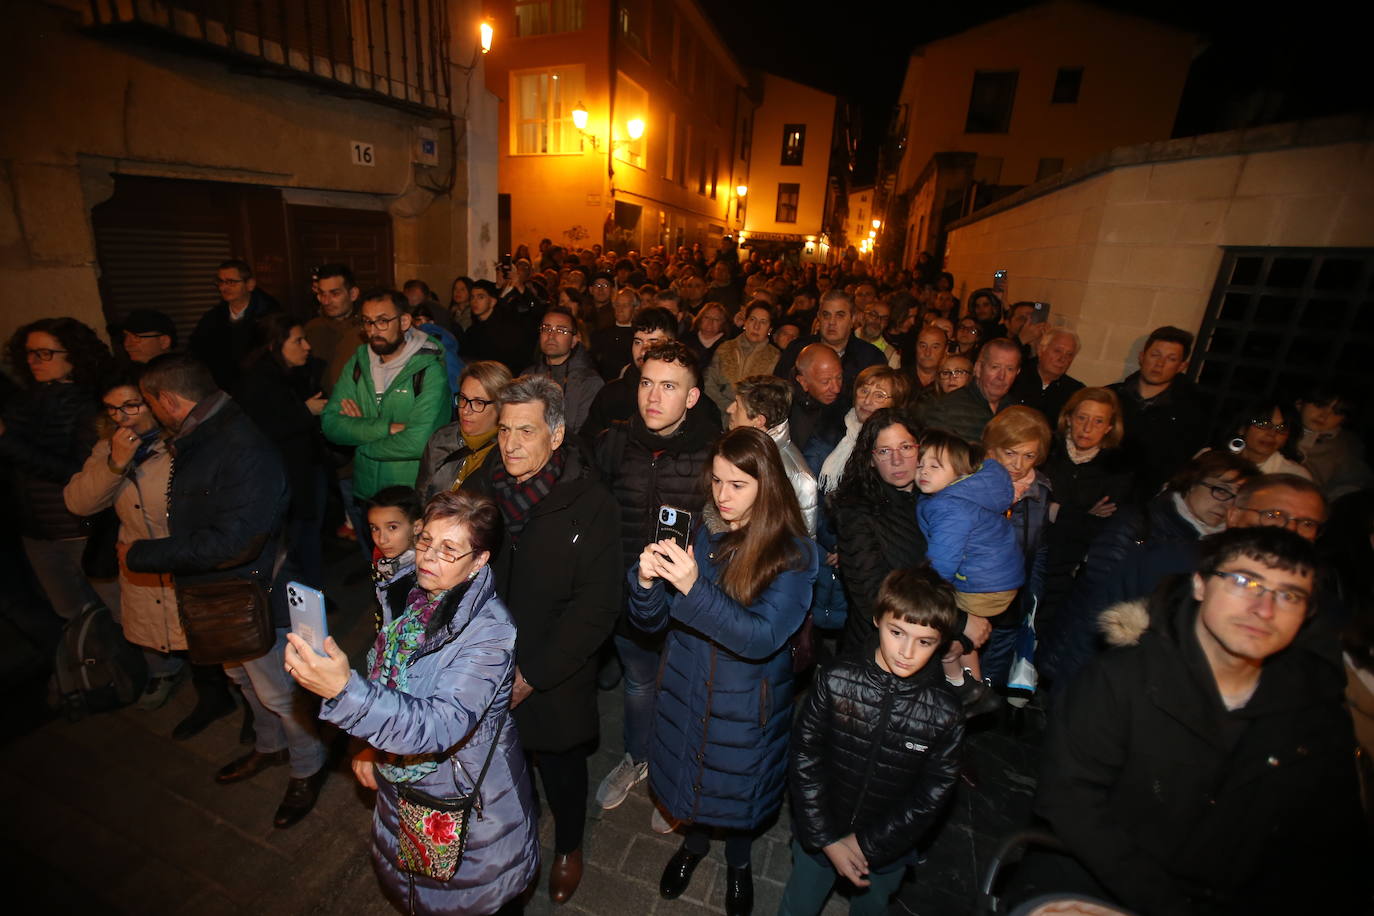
pixel 723 712
pixel 458 693
pixel 971 544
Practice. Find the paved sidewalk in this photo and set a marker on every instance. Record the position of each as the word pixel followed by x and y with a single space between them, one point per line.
pixel 110 815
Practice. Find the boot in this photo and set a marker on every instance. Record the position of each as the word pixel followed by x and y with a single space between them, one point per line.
pixel 212 701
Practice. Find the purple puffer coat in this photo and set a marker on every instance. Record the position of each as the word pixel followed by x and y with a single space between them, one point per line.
pixel 458 692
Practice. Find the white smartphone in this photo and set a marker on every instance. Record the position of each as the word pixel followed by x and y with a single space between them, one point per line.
pixel 307 615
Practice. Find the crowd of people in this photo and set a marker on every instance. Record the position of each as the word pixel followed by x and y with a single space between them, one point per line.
pixel 813 521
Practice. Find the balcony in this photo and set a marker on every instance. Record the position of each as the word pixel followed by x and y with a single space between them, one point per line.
pixel 394 52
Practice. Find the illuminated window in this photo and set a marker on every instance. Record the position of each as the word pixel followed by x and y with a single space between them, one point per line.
pixel 544 102
pixel 544 17
pixel 793 143
pixel 788 195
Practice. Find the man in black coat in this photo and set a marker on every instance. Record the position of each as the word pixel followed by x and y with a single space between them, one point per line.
pixel 1199 767
pixel 654 459
pixel 836 327
pixel 1164 413
pixel 1044 381
pixel 559 572
pixel 495 333
pixel 225 509
pixel 225 334
pixel 966 411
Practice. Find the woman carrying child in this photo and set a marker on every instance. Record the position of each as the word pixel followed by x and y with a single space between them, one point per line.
pixel 718 755
pixel 971 544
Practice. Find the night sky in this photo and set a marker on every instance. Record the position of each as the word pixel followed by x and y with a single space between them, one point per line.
pixel 1256 67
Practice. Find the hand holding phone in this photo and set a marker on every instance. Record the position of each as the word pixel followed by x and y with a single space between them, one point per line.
pixel 674 524
pixel 307 615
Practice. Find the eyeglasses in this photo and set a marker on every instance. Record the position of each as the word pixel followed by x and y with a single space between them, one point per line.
pixel 970 328
pixel 144 335
pixel 1252 589
pixel 380 324
pixel 872 391
pixel 905 451
pixel 128 408
pixel 476 405
pixel 42 354
pixel 555 329
pixel 228 282
pixel 1220 494
pixel 954 373
pixel 1277 518
pixel 424 544
pixel 1270 424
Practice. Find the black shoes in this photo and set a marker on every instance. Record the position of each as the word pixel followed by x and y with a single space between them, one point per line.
pixel 301 795
pixel 250 765
pixel 677 874
pixel 201 717
pixel 739 891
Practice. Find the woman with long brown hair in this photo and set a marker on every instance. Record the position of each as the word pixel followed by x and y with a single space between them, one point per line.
pixel 718 755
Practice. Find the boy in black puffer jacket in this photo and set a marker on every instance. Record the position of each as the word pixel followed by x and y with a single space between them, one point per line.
pixel 875 751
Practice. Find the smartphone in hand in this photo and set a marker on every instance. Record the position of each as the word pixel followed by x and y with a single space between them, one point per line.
pixel 674 524
pixel 307 615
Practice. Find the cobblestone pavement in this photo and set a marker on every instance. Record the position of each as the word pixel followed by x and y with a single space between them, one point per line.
pixel 110 815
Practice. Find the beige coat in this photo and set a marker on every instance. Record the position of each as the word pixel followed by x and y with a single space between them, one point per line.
pixel 730 364
pixel 148 606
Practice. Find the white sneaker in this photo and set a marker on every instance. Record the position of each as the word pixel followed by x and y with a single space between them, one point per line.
pixel 615 788
pixel 660 824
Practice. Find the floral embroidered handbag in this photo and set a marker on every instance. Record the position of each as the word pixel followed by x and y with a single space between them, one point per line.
pixel 434 831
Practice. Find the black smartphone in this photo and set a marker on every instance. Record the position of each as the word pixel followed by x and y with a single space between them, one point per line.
pixel 1040 313
pixel 674 524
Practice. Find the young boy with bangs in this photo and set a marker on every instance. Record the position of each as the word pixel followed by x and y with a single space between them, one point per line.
pixel 875 751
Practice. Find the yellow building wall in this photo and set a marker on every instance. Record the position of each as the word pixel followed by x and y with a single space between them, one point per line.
pixel 1134 248
pixel 568 197
pixel 786 102
pixel 1133 76
pixel 79 109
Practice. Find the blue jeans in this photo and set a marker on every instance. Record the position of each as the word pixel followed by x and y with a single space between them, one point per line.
pixel 810 884
pixel 998 653
pixel 641 677
pixel 281 714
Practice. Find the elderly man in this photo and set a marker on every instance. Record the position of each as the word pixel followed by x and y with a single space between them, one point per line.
pixel 225 506
pixel 563 359
pixel 763 402
pixel 931 345
pixel 836 320
pixel 818 404
pixel 1202 764
pixel 147 335
pixel 965 412
pixel 1044 382
pixel 559 572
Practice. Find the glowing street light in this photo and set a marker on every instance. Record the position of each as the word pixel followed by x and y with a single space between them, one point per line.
pixel 634 127
pixel 877 224
pixel 485 30
pixel 579 116
pixel 741 190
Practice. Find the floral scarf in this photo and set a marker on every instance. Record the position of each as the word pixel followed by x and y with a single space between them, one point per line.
pixel 388 665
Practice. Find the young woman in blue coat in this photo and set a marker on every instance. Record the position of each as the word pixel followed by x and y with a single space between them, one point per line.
pixel 435 697
pixel 718 755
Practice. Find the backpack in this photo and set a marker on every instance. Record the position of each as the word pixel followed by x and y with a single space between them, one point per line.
pixel 96 668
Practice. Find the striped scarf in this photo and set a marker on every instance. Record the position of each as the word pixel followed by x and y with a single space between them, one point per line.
pixel 517 499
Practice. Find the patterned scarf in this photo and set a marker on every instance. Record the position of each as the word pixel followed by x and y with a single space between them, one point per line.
pixel 388 665
pixel 517 499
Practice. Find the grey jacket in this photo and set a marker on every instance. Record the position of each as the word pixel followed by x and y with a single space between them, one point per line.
pixel 459 691
pixel 579 380
pixel 798 474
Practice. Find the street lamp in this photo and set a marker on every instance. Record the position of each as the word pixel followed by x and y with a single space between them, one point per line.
pixel 877 224
pixel 579 116
pixel 741 190
pixel 635 128
pixel 485 30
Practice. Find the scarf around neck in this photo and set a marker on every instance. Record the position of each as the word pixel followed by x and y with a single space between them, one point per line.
pixel 517 499
pixel 478 448
pixel 1078 455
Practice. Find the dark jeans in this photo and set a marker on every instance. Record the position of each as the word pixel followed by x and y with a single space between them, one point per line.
pixel 639 655
pixel 564 778
pixel 303 537
pixel 739 844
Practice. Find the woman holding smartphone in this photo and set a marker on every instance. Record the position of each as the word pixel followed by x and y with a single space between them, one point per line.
pixel 718 755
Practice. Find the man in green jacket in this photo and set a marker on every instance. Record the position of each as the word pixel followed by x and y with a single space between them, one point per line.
pixel 392 395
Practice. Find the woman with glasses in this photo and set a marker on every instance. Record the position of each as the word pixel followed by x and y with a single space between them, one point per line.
pixel 46 432
pixel 433 706
pixel 729 603
pixel 968 337
pixel 458 449
pixel 129 469
pixel 1267 434
pixel 875 387
pixel 954 373
pixel 1192 505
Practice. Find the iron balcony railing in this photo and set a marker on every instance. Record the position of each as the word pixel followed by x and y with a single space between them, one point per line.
pixel 393 51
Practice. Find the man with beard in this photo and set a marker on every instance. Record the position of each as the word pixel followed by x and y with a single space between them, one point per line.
pixel 392 396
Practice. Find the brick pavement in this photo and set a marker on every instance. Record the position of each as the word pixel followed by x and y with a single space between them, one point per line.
pixel 110 815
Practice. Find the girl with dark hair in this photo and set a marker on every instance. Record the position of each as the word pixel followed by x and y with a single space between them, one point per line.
pixel 1334 455
pixel 280 389
pixel 46 433
pixel 433 705
pixel 1267 434
pixel 718 756
pixel 460 303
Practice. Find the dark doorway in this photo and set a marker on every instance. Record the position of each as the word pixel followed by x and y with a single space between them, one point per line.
pixel 503 224
pixel 333 235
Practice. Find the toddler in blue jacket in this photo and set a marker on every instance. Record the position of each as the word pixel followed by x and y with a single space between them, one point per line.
pixel 971 542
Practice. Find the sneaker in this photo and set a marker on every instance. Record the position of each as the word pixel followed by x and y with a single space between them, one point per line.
pixel 159 690
pixel 615 788
pixel 660 824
